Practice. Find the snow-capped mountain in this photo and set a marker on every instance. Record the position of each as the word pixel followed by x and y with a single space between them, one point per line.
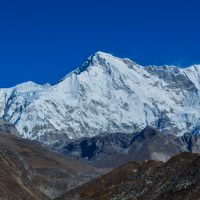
pixel 106 94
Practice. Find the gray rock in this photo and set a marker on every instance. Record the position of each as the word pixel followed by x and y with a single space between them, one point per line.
pixel 111 150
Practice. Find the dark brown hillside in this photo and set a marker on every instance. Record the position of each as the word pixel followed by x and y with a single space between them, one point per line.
pixel 179 178
pixel 30 171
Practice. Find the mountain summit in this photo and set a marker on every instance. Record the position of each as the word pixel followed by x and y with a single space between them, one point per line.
pixel 106 94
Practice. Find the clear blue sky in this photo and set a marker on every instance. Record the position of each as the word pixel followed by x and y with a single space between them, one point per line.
pixel 44 40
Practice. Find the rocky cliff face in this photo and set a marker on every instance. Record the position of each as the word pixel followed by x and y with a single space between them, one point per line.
pixel 8 128
pixel 112 150
pixel 106 94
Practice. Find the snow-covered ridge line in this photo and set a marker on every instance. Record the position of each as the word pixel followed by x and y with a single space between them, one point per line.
pixel 29 84
pixel 106 94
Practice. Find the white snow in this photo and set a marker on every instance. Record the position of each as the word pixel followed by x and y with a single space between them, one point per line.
pixel 108 94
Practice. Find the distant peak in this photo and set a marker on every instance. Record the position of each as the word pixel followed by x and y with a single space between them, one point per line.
pixel 95 59
pixel 27 84
pixel 104 55
pixel 99 58
pixel 193 67
pixel 101 53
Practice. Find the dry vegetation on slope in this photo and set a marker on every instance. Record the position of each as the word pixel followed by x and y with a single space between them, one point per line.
pixel 30 171
pixel 179 178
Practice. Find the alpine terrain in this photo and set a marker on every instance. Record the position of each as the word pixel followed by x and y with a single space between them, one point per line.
pixel 30 171
pixel 112 150
pixel 178 178
pixel 106 94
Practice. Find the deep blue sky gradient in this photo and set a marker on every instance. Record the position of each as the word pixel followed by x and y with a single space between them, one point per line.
pixel 43 40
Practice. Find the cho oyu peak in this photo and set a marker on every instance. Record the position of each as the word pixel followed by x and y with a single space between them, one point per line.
pixel 106 94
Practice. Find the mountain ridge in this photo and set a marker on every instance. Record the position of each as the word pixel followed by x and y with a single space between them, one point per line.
pixel 178 178
pixel 106 94
pixel 112 150
pixel 189 67
pixel 30 170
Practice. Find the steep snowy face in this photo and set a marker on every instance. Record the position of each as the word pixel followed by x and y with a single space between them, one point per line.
pixel 106 94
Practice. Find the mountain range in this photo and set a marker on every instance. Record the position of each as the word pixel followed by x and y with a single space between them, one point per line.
pixel 30 170
pixel 111 129
pixel 106 94
pixel 113 150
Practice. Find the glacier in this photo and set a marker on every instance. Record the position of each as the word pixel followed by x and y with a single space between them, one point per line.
pixel 106 94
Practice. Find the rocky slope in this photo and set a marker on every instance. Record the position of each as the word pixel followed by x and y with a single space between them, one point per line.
pixel 30 171
pixel 106 95
pixel 8 128
pixel 112 150
pixel 179 178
